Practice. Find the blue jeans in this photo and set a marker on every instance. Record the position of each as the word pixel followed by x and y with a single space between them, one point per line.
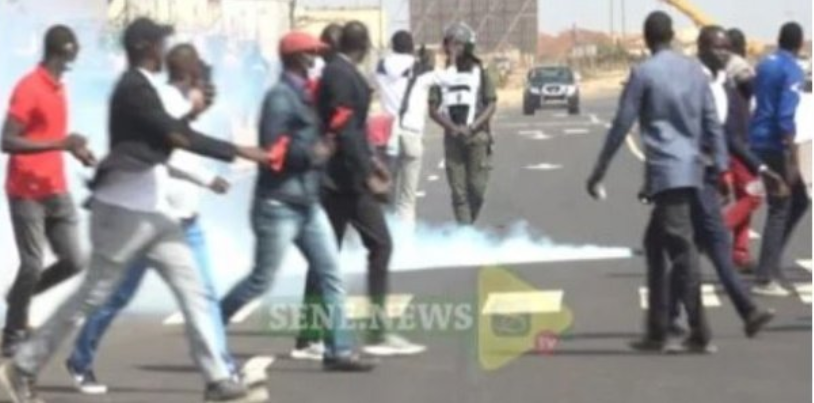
pixel 714 239
pixel 276 226
pixel 97 324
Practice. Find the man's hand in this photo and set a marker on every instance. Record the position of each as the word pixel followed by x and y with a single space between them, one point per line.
pixel 323 150
pixel 220 185
pixel 595 187
pixel 775 184
pixel 253 154
pixel 73 142
pixel 726 188
pixel 85 156
pixel 379 187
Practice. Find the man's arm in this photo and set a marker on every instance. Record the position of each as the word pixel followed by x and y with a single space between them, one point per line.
pixel 15 143
pixel 629 107
pixel 285 152
pixel 713 131
pixel 342 122
pixel 489 95
pixel 787 109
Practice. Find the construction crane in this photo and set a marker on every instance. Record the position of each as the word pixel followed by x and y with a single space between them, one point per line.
pixel 701 19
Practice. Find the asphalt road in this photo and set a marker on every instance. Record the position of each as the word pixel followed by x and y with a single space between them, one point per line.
pixel 591 304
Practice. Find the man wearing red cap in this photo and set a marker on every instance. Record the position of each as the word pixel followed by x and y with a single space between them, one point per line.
pixel 287 206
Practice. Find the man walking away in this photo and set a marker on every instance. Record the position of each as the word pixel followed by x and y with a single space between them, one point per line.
pixel 777 87
pixel 130 221
pixel 711 233
pixel 463 105
pixel 356 182
pixel 670 95
pixel 35 134
pixel 286 206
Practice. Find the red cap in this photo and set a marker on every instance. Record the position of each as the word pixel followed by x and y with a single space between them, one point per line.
pixel 298 42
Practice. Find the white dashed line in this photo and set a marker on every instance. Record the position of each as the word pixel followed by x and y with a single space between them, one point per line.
pixel 442 164
pixel 421 194
pixel 576 131
pixel 534 134
pixel 433 178
pixel 805 264
pixel 594 119
pixel 511 303
pixel 708 296
pixel 754 234
pixel 544 167
pixel 804 292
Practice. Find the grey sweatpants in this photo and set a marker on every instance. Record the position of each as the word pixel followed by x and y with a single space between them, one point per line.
pixel 120 237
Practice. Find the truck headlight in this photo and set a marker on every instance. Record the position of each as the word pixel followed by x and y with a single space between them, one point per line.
pixel 571 90
pixel 534 90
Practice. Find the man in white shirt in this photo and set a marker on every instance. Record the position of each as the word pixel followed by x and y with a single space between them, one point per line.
pixel 179 186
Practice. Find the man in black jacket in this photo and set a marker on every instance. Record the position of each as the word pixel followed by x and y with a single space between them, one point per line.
pixel 355 181
pixel 130 221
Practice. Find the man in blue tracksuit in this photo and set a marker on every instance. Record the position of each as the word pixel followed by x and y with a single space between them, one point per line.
pixel 777 89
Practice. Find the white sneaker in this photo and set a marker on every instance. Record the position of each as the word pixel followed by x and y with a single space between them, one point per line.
pixel 771 289
pixel 314 352
pixel 86 383
pixel 394 345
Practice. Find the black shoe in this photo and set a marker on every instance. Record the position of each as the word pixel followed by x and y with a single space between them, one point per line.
pixel 648 345
pixel 21 387
pixel 12 339
pixel 757 320
pixel 350 363
pixel 227 390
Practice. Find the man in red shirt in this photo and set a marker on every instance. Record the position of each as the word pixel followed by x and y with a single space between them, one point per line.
pixel 35 135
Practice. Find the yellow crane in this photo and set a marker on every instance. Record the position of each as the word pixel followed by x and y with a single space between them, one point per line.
pixel 701 19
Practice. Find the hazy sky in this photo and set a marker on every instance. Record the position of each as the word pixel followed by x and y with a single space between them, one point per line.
pixel 759 18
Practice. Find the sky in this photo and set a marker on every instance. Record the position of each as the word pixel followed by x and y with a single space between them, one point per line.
pixel 758 18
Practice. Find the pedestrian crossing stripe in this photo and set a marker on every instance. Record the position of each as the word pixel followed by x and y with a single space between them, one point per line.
pixel 804 292
pixel 241 315
pixel 708 297
pixel 358 307
pixel 754 235
pixel 510 303
pixel 805 264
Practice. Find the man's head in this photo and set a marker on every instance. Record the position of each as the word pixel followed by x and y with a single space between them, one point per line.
pixel 791 37
pixel 144 42
pixel 355 41
pixel 713 47
pixel 60 47
pixel 658 30
pixel 183 63
pixel 331 36
pixel 459 41
pixel 737 41
pixel 299 50
pixel 402 43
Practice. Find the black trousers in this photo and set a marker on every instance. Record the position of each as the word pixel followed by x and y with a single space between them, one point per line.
pixel 365 214
pixel 783 215
pixel 670 250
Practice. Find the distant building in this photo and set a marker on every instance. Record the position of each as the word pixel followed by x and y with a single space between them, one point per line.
pixel 314 20
pixel 501 25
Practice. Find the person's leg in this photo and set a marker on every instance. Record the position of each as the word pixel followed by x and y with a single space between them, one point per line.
pixel 172 257
pixel 194 235
pixel 412 147
pixel 275 226
pixel 478 168
pixel 61 228
pixel 677 230
pixel 656 328
pixel 799 206
pixel 317 243
pixel 738 217
pixel 119 237
pixel 455 162
pixel 368 220
pixel 28 223
pixel 96 325
pixel 714 239
pixel 777 218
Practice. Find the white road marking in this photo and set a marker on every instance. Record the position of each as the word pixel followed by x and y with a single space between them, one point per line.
pixel 433 178
pixel 442 164
pixel 708 296
pixel 754 234
pixel 420 194
pixel 804 292
pixel 246 311
pixel 805 264
pixel 531 125
pixel 560 115
pixel 594 119
pixel 174 319
pixel 358 307
pixel 534 134
pixel 544 167
pixel 576 131
pixel 509 303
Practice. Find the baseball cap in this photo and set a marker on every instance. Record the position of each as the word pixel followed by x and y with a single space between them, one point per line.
pixel 298 42
pixel 144 31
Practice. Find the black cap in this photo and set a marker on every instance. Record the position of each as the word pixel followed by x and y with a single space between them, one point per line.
pixel 144 31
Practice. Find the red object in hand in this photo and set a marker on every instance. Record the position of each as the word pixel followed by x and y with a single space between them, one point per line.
pixel 277 153
pixel 379 128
